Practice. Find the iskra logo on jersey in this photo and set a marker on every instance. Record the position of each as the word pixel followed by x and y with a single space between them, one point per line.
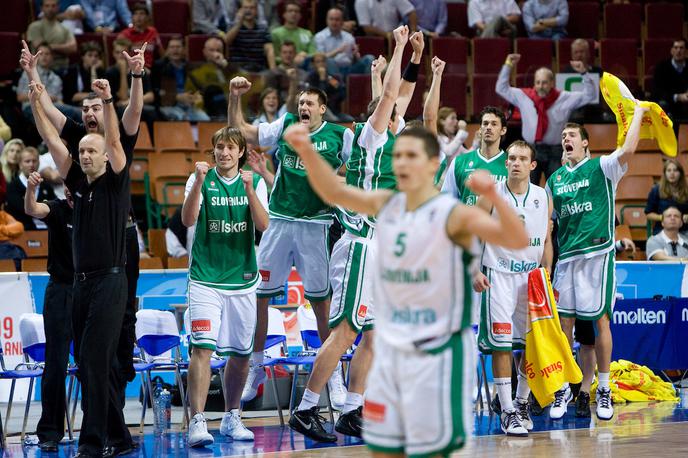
pixel 575 208
pixel 293 162
pixel 216 226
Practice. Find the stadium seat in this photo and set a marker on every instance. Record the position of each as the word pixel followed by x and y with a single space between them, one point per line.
pixel 415 108
pixel 174 135
pixel 534 54
pixel 602 137
pixel 144 145
pixel 646 164
pixel 14 18
pixel 171 16
pixel 633 215
pixel 137 174
pixel 489 54
pixel 564 52
pixel 452 50
pixel 10 43
pixel 150 263
pixel 358 94
pixel 34 243
pixel 457 19
pixel 664 20
pixel 633 189
pixel 200 156
pixel 178 263
pixel 655 50
pixel 619 56
pixel 622 20
pixel 682 139
pixel 483 93
pixel 34 265
pixel 372 45
pixel 453 92
pixel 194 47
pixel 206 130
pixel 7 265
pixel 584 18
pixel 109 39
pixel 156 243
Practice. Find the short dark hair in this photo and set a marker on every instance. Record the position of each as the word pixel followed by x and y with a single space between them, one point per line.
pixel 574 125
pixel 373 104
pixel 288 43
pixel 322 97
pixel 681 39
pixel 90 96
pixel 140 7
pixel 522 144
pixel 234 135
pixel 91 46
pixel 292 2
pixel 176 37
pixel 43 44
pixel 495 111
pixel 430 143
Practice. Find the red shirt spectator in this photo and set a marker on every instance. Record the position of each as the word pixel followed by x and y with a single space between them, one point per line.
pixel 140 32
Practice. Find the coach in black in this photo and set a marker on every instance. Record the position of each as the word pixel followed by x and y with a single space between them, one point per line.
pixel 100 189
pixel 57 309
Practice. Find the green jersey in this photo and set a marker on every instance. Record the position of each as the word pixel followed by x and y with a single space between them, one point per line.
pixel 223 254
pixel 583 199
pixel 292 197
pixel 462 167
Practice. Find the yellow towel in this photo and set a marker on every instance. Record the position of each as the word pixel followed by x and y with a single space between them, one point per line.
pixel 635 383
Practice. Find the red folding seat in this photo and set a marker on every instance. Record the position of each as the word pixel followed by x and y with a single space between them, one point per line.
pixel 14 17
pixel 483 92
pixel 10 43
pixel 664 20
pixel 452 50
pixel 194 47
pixel 453 92
pixel 584 18
pixel 171 16
pixel 622 20
pixel 371 45
pixel 534 54
pixel 619 56
pixel 489 54
pixel 457 19
pixel 655 50
pixel 358 95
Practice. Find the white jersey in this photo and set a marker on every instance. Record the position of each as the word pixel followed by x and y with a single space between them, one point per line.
pixel 422 283
pixel 532 207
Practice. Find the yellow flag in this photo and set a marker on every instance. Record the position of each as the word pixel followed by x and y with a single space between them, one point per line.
pixel 549 362
pixel 656 124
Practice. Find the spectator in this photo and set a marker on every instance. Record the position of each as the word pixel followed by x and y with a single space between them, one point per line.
pixel 10 229
pixel 209 17
pixel 431 16
pixel 279 77
pixel 493 18
pixel 340 48
pixel 593 112
pixel 53 85
pixel 250 45
pixel 331 85
pixel 451 134
pixel 70 14
pixel 668 244
pixel 9 160
pixel 546 18
pixel 211 78
pixel 77 81
pixel 28 163
pixel 348 9
pixel 5 131
pixel 142 32
pixel 290 31
pixel 269 106
pixel 262 19
pixel 671 191
pixel 544 111
pixel 671 82
pixel 49 30
pixel 106 16
pixel 380 17
pixel 169 81
pixel 119 77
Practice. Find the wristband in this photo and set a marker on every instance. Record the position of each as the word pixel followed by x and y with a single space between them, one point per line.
pixel 140 75
pixel 508 62
pixel 110 100
pixel 619 246
pixel 411 72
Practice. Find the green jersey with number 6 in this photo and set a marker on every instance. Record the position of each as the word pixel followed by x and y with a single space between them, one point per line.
pixel 464 165
pixel 292 197
pixel 223 255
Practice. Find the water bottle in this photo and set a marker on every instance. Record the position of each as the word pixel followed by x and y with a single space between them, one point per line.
pixel 158 410
pixel 166 401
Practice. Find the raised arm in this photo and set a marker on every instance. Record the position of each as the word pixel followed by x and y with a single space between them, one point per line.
pixel 259 214
pixel 192 202
pixel 376 69
pixel 258 163
pixel 28 63
pixel 325 181
pixel 408 82
pixel 633 135
pixel 31 207
pixel 47 130
pixel 503 87
pixel 432 102
pixel 113 146
pixel 390 88
pixel 235 118
pixel 132 114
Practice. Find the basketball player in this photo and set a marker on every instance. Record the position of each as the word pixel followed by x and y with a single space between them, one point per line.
pixel 225 204
pixel 418 401
pixel 299 220
pixel 583 192
pixel 353 258
pixel 504 284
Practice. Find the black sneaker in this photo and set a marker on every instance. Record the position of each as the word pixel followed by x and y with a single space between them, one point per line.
pixel 583 405
pixel 309 423
pixel 350 423
pixel 48 446
pixel 496 405
pixel 535 407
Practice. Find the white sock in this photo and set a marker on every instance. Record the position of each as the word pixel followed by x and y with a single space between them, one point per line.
pixel 309 400
pixel 353 401
pixel 503 386
pixel 603 380
pixel 522 389
pixel 257 357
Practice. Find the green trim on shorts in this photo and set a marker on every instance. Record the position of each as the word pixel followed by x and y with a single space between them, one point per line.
pixel 350 302
pixel 368 327
pixel 318 298
pixel 484 344
pixel 607 292
pixel 381 449
pixel 234 354
pixel 206 346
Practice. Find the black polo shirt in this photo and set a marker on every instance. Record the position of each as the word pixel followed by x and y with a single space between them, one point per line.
pixel 59 222
pixel 101 209
pixel 74 131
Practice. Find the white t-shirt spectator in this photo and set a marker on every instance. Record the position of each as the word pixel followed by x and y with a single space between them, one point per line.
pixel 384 14
pixel 488 10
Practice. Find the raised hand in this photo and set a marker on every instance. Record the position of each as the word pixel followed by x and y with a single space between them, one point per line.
pixel 578 66
pixel 481 183
pixel 378 65
pixel 437 66
pixel 102 88
pixel 201 170
pixel 35 91
pixel 137 61
pixel 513 58
pixel 247 179
pixel 257 161
pixel 297 135
pixel 239 86
pixel 401 35
pixel 34 181
pixel 28 61
pixel 417 43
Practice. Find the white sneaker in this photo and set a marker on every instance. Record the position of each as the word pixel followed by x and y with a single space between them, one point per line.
pixel 523 411
pixel 337 388
pixel 256 377
pixel 198 432
pixel 511 425
pixel 605 410
pixel 233 427
pixel 561 402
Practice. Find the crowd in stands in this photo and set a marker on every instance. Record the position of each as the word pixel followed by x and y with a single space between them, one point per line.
pixel 284 46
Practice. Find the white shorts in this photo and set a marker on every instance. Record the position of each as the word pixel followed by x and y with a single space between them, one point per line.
pixel 352 271
pixel 293 243
pixel 586 287
pixel 503 311
pixel 420 403
pixel 222 322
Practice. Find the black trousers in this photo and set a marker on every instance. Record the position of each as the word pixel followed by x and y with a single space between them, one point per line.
pixel 57 316
pixel 99 304
pixel 548 161
pixel 125 347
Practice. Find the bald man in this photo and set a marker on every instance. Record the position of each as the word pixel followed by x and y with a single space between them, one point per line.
pixel 594 112
pixel 544 111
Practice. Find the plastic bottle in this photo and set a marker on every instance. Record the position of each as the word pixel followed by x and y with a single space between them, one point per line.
pixel 158 410
pixel 166 402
